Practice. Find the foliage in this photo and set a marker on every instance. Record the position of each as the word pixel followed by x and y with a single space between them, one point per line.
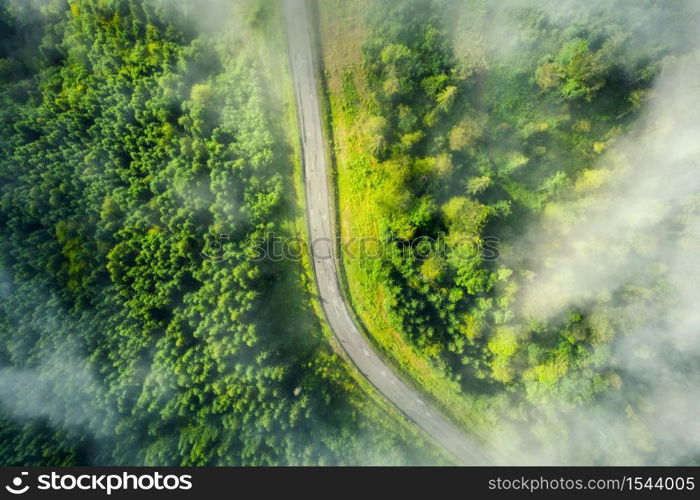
pixel 518 128
pixel 133 139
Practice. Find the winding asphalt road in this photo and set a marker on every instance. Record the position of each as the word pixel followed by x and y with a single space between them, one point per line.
pixel 319 206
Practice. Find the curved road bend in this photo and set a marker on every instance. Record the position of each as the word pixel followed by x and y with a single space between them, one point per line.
pixel 318 206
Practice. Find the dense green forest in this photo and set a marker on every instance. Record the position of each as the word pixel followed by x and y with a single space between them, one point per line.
pixel 525 169
pixel 134 135
pixel 460 126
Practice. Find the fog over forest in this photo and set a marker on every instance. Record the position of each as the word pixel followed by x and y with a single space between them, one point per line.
pixel 599 250
pixel 135 133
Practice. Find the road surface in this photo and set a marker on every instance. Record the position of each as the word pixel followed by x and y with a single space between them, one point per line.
pixel 319 206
